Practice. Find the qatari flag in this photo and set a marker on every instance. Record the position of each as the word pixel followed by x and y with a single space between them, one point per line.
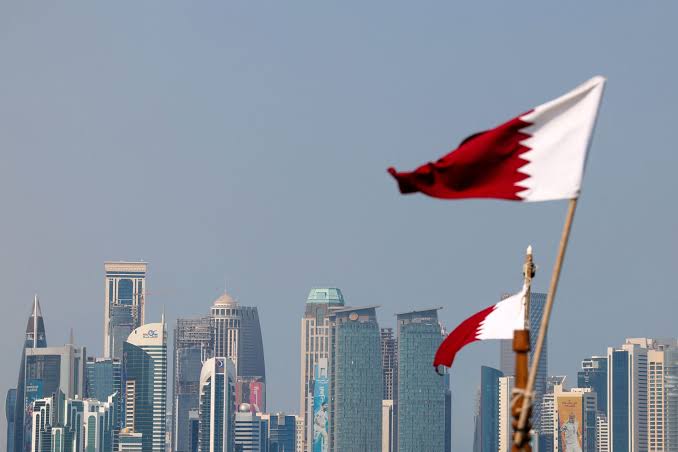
pixel 496 322
pixel 537 156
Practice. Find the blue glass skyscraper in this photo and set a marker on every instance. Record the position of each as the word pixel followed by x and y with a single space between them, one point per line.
pixel 355 380
pixel 593 374
pixel 488 419
pixel 217 406
pixel 421 393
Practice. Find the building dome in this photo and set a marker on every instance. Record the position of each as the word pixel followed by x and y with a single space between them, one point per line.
pixel 225 300
pixel 244 408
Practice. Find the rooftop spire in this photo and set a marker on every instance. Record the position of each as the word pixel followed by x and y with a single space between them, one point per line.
pixel 35 328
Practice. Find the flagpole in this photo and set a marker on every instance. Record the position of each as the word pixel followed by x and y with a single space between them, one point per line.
pixel 519 438
pixel 521 347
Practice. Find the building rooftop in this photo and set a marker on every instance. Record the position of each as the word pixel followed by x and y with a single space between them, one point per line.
pixel 225 300
pixel 330 295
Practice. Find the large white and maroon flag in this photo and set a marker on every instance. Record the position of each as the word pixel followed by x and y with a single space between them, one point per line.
pixel 537 156
pixel 495 322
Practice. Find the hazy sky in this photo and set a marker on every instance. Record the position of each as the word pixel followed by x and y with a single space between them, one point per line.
pixel 246 144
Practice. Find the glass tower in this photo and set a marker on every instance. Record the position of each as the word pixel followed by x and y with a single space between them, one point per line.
pixel 103 379
pixel 355 380
pixel 217 406
pixel 593 374
pixel 124 298
pixel 281 430
pixel 145 380
pixel 421 394
pixel 193 345
pixel 489 408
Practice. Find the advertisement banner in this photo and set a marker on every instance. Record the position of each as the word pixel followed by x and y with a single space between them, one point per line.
pixel 320 408
pixel 570 425
pixel 256 399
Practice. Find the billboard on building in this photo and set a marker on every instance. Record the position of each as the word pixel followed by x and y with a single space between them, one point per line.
pixel 570 424
pixel 320 408
pixel 256 399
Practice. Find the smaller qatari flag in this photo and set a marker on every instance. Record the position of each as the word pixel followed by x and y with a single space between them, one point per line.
pixel 495 322
pixel 537 156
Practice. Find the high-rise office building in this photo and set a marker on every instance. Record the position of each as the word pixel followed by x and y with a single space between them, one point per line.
pixel 10 408
pixel 131 441
pixel 602 433
pixel 389 353
pixel 662 392
pixel 226 318
pixel 627 398
pixel 300 434
pixel 250 431
pixel 193 345
pixel 315 328
pixel 103 379
pixel 217 406
pixel 507 357
pixel 593 374
pixel 421 395
pixel 355 382
pixel 545 430
pixel 489 408
pixel 145 377
pixel 282 430
pixel 252 363
pixel 388 438
pixel 506 385
pixel 574 419
pixel 63 424
pixel 124 298
pixel 34 338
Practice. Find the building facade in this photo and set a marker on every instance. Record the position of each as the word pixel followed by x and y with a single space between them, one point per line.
pixel 145 390
pixel 124 299
pixel 574 420
pixel 62 424
pixel 217 406
pixel 282 431
pixel 593 374
pixel 34 338
pixel 104 379
pixel 250 432
pixel 355 382
pixel 389 353
pixel 315 327
pixel 421 394
pixel 489 408
pixel 193 345
pixel 627 398
pixel 506 385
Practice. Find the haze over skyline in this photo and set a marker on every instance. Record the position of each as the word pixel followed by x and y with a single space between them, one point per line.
pixel 247 145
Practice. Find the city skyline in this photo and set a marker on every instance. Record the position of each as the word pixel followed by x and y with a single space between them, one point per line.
pixel 210 141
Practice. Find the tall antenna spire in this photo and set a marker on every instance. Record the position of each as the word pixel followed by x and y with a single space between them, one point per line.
pixel 36 309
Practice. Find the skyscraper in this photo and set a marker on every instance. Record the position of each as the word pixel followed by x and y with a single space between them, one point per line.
pixel 250 431
pixel 34 338
pixel 574 419
pixel 10 408
pixel 281 429
pixel 252 363
pixel 145 377
pixel 355 380
pixel 547 421
pixel 103 379
pixel 627 398
pixel 506 385
pixel 421 393
pixel 63 424
pixel 507 357
pixel 226 318
pixel 125 294
pixel 314 345
pixel 489 408
pixel 193 345
pixel 389 349
pixel 593 374
pixel 217 406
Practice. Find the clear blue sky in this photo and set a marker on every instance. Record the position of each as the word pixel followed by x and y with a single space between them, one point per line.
pixel 248 143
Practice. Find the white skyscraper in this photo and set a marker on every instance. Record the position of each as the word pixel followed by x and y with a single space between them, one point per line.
pixel 125 294
pixel 505 430
pixel 145 373
pixel 217 406
pixel 225 316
